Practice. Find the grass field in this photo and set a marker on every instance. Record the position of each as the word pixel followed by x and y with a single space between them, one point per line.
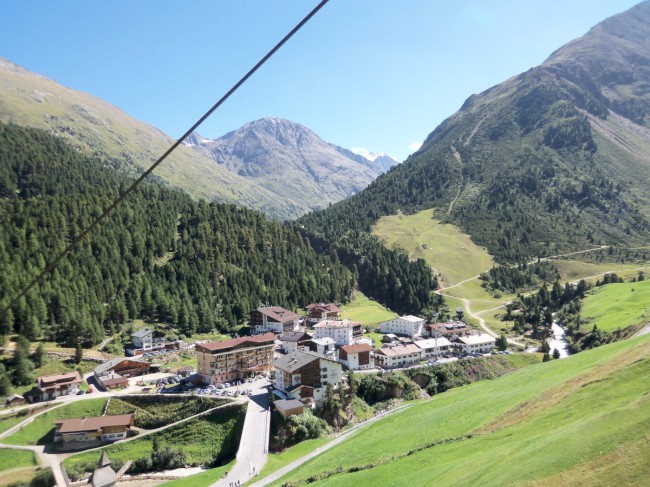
pixel 557 420
pixel 572 270
pixel 203 439
pixel 10 459
pixel 9 420
pixel 617 305
pixel 37 432
pixel 448 250
pixel 366 311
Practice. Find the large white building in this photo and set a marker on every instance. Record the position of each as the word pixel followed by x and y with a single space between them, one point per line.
pixel 404 325
pixel 343 332
pixel 475 343
pixel 433 347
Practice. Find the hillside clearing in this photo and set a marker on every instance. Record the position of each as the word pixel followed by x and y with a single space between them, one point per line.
pixel 366 311
pixel 446 248
pixel 617 305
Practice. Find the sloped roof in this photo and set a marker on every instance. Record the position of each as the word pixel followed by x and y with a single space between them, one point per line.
pixel 267 338
pixel 114 362
pixel 336 324
pixel 278 313
pixel 359 347
pixel 142 333
pixel 285 404
pixel 331 307
pixel 104 460
pixel 59 379
pixel 294 336
pixel 399 350
pixel 104 476
pixel 93 423
pixel 295 360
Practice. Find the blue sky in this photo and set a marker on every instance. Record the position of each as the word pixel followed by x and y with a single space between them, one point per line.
pixel 374 74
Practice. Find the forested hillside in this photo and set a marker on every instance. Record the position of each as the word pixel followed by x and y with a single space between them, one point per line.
pixel 555 159
pixel 160 256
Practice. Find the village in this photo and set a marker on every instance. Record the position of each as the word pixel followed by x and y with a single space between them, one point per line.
pixel 289 358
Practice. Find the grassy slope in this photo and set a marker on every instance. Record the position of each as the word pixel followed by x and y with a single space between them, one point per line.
pixel 366 311
pixel 448 250
pixel 531 424
pixel 201 439
pixel 99 127
pixel 37 430
pixel 617 305
pixel 10 459
pixel 9 420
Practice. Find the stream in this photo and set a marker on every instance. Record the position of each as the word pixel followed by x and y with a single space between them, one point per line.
pixel 558 340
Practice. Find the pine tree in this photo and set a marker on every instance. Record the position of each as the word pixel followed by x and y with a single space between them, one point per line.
pixel 78 353
pixel 22 366
pixel 39 356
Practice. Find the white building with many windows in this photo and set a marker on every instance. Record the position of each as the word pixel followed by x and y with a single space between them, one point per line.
pixel 408 325
pixel 398 356
pixel 433 347
pixel 475 343
pixel 344 332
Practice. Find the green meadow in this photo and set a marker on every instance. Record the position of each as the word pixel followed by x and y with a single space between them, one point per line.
pixel 537 424
pixel 39 430
pixel 617 305
pixel 446 248
pixel 366 311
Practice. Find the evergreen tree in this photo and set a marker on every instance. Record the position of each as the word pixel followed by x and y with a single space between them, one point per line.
pixel 502 342
pixel 5 383
pixel 78 353
pixel 556 353
pixel 39 356
pixel 22 366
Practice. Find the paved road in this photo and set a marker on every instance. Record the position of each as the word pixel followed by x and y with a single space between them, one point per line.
pixel 254 443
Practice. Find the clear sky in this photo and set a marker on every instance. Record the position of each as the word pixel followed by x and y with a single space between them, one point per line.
pixel 375 74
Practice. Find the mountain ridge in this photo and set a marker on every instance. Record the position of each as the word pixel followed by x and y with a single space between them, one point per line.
pixel 286 157
pixel 540 163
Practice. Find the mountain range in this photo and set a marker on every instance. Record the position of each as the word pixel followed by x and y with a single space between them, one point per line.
pixel 556 158
pixel 295 173
pixel 292 162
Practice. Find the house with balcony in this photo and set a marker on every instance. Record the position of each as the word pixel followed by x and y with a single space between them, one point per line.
pixel 398 356
pixel 89 432
pixel 233 359
pixel 343 332
pixel 318 312
pixel 306 375
pixel 274 319
pixel 357 357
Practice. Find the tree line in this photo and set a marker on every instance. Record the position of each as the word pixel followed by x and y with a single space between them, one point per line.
pixel 160 256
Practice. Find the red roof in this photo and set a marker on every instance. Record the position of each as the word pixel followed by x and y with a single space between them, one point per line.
pixel 359 347
pixel 267 338
pixel 278 313
pixel 93 423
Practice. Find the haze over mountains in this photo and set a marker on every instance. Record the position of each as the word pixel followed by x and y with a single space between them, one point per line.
pixel 555 158
pixel 272 165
